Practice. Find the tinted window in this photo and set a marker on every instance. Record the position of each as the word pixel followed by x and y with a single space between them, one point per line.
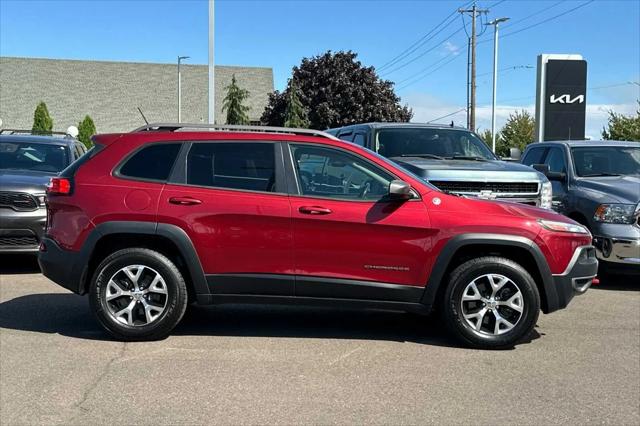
pixel 330 173
pixel 606 160
pixel 534 156
pixel 555 160
pixel 153 162
pixel 347 136
pixel 237 165
pixel 430 142
pixel 42 157
pixel 359 139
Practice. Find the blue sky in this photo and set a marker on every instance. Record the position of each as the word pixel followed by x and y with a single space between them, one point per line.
pixel 278 34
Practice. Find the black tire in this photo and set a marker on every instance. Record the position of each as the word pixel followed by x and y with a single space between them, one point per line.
pixel 174 305
pixel 485 338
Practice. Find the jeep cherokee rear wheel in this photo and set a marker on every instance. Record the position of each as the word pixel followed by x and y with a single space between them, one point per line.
pixel 491 303
pixel 138 294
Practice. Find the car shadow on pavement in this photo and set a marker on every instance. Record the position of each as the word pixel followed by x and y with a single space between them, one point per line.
pixel 618 283
pixel 69 315
pixel 19 264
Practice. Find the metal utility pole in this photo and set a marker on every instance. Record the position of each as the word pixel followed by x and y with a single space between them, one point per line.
pixel 212 86
pixel 495 24
pixel 180 58
pixel 475 12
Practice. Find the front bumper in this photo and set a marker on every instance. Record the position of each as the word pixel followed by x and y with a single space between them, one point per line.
pixel 20 231
pixel 578 276
pixel 618 253
pixel 64 267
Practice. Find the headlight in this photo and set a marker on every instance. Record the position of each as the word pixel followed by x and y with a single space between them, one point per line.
pixel 552 225
pixel 546 195
pixel 615 213
pixel 41 200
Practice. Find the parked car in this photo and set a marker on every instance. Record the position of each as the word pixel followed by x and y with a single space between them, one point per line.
pixel 152 219
pixel 452 159
pixel 597 183
pixel 27 163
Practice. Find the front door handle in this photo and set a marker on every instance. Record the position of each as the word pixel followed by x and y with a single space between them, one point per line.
pixel 314 210
pixel 185 201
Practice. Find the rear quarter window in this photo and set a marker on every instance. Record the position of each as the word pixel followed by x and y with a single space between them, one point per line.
pixel 153 162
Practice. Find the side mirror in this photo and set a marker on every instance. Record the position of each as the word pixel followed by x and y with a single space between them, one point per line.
pixel 515 154
pixel 544 169
pixel 399 190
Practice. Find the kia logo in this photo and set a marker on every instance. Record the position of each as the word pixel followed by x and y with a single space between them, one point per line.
pixel 566 99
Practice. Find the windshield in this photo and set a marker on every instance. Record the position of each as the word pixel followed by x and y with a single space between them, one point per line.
pixel 431 143
pixel 606 161
pixel 33 156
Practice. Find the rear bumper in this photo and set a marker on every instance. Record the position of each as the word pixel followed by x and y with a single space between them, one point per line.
pixel 64 267
pixel 578 276
pixel 20 232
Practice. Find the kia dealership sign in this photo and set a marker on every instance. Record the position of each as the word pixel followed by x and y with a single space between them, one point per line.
pixel 561 95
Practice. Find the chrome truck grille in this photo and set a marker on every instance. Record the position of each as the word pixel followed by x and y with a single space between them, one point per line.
pixel 521 192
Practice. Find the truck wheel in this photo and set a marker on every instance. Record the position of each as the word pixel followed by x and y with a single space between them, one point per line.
pixel 138 294
pixel 491 303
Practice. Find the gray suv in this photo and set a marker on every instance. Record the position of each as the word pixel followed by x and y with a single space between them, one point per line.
pixel 452 159
pixel 27 163
pixel 597 183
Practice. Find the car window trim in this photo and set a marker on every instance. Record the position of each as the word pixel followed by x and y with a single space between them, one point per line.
pixel 115 172
pixel 292 176
pixel 178 175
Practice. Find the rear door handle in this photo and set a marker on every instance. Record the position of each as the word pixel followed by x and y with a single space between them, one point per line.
pixel 184 201
pixel 314 210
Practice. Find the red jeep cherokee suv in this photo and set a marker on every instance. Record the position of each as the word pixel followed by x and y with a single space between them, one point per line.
pixel 149 221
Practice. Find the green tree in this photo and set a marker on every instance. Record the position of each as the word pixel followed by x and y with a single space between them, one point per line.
pixel 486 138
pixel 518 132
pixel 86 129
pixel 621 127
pixel 336 89
pixel 42 121
pixel 295 114
pixel 236 111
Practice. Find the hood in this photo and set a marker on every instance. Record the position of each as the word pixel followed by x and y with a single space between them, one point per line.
pixel 24 181
pixel 622 189
pixel 433 169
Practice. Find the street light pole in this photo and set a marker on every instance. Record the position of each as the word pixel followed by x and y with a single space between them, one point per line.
pixel 180 58
pixel 495 23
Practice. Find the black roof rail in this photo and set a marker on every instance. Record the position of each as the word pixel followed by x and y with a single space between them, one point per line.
pixel 177 127
pixel 29 132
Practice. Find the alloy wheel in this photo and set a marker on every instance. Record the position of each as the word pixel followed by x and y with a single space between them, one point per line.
pixel 492 304
pixel 136 295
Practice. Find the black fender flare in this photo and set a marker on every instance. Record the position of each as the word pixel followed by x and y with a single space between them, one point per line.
pixel 442 262
pixel 172 232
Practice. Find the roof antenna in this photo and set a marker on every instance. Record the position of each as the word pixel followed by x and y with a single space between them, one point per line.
pixel 451 123
pixel 143 117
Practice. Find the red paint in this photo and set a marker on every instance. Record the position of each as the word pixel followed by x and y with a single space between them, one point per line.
pixel 251 232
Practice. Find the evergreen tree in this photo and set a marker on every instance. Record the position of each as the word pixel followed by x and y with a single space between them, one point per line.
pixel 518 132
pixel 42 121
pixel 86 129
pixel 623 128
pixel 236 111
pixel 295 114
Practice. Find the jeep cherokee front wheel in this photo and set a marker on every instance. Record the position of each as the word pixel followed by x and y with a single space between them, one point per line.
pixel 491 302
pixel 138 294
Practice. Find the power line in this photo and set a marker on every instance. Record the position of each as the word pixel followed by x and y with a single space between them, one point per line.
pixel 423 53
pixel 448 115
pixel 543 21
pixel 545 9
pixel 429 73
pixel 422 40
pixel 425 69
pixel 511 68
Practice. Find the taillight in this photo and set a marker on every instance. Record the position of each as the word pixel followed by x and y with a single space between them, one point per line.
pixel 59 186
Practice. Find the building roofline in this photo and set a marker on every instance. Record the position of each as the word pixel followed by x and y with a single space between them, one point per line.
pixel 106 61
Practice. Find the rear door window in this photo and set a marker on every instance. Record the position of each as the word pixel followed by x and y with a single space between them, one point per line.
pixel 153 162
pixel 233 165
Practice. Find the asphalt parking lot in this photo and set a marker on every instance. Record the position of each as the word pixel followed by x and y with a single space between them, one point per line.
pixel 259 365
